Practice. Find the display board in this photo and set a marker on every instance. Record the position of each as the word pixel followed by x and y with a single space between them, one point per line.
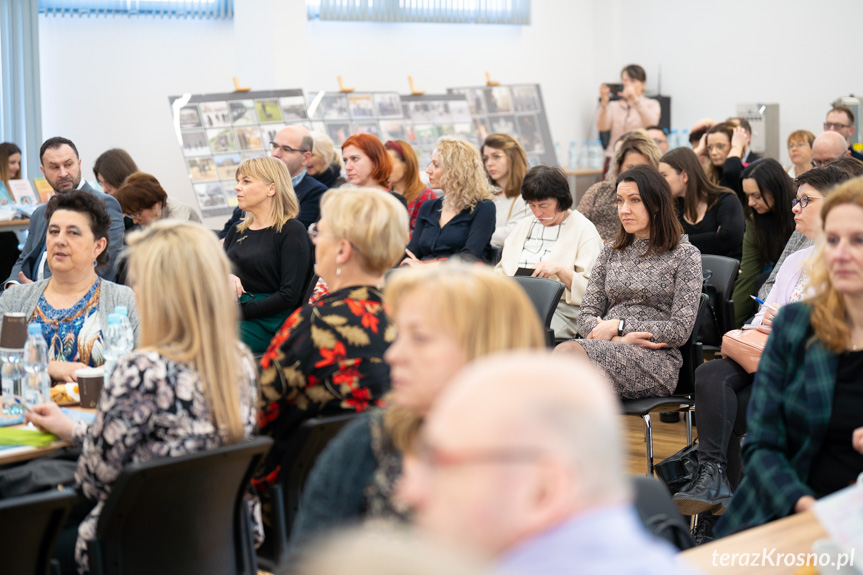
pixel 418 120
pixel 217 132
pixel 517 110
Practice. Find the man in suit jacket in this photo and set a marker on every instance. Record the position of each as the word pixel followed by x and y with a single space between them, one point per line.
pixel 293 145
pixel 61 166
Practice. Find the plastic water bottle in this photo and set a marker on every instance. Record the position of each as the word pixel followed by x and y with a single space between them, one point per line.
pixel 12 371
pixel 683 141
pixel 113 343
pixel 558 155
pixel 596 155
pixel 572 162
pixel 123 312
pixel 36 386
pixel 583 156
pixel 673 139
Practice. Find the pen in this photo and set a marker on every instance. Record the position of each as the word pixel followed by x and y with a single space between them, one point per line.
pixel 23 404
pixel 761 301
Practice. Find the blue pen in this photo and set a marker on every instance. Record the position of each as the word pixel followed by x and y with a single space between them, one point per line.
pixel 761 302
pixel 23 404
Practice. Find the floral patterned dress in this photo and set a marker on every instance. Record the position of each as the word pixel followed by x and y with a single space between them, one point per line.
pixel 152 407
pixel 656 293
pixel 326 359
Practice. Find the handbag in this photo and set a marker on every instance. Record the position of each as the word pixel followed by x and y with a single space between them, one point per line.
pixel 679 469
pixel 745 347
pixel 708 330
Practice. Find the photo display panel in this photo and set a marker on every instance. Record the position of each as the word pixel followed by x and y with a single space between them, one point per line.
pixel 217 132
pixel 517 110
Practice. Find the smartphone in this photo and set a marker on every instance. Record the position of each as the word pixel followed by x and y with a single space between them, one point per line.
pixel 615 87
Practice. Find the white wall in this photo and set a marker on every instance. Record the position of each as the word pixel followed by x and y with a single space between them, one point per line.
pixel 105 81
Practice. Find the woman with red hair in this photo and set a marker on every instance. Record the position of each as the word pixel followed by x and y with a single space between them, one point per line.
pixel 405 178
pixel 367 163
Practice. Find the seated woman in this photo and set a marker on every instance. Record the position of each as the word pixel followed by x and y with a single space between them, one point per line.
pixel 769 224
pixel 598 205
pixel 269 250
pixel 554 243
pixel 462 221
pixel 368 165
pixel 800 152
pixel 720 153
pixel 643 292
pixel 710 215
pixel 325 165
pixel 143 199
pixel 328 357
pixel 447 314
pixel 722 387
pixel 111 169
pixel 190 375
pixel 505 163
pixel 73 304
pixel 805 406
pixel 405 178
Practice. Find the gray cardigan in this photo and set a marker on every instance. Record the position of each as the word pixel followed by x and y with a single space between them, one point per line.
pixel 24 297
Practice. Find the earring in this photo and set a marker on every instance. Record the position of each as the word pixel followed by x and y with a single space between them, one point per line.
pixel 95 263
pixel 338 271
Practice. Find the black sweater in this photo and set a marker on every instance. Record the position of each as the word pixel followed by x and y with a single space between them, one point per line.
pixel 720 232
pixel 271 262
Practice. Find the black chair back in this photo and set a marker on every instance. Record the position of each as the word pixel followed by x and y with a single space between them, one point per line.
pixel 545 294
pixel 180 515
pixel 721 273
pixel 31 524
pixel 309 441
pixel 693 355
pixel 658 513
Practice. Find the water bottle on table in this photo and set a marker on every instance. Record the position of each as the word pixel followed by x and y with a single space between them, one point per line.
pixel 36 385
pixel 114 343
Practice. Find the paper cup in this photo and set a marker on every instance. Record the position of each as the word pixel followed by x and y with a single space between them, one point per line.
pixel 14 332
pixel 90 382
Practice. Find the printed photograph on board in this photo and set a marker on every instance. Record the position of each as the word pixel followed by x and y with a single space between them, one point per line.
pixel 221 140
pixel 367 128
pixel 268 111
pixel 531 139
pixel 195 143
pixel 504 124
pixel 388 105
pixel 226 166
pixel 230 192
pixel 249 138
pixel 499 100
pixel 201 169
pixel 339 132
pixel 242 112
pixel 210 195
pixel 332 107
pixel 393 130
pixel 525 99
pixel 215 114
pixel 189 117
pixel 361 106
pixel 293 108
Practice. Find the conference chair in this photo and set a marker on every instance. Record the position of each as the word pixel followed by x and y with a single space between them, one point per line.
pixel 721 273
pixel 658 513
pixel 31 524
pixel 683 397
pixel 311 438
pixel 180 515
pixel 545 294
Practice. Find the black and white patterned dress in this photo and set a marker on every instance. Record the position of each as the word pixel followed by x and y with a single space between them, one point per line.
pixel 152 407
pixel 657 293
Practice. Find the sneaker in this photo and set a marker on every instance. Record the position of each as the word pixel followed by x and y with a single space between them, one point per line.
pixel 708 492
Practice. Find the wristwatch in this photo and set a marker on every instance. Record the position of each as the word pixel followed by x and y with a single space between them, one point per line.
pixel 620 327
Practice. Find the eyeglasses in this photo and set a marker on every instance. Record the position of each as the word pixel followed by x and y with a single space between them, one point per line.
pixel 835 126
pixel 793 145
pixel 823 163
pixel 286 149
pixel 314 233
pixel 803 201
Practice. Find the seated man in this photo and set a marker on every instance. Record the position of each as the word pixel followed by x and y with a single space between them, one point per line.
pixel 519 463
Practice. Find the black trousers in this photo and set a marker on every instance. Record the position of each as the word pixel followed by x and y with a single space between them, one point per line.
pixel 722 390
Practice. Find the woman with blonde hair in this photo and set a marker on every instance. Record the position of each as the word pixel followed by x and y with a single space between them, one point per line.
pixel 800 152
pixel 189 373
pixel 327 358
pixel 405 178
pixel 269 250
pixel 505 163
pixel 804 439
pixel 598 204
pixel 447 314
pixel 325 164
pixel 462 221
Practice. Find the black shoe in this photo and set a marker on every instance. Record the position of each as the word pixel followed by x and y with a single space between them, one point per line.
pixel 669 416
pixel 709 491
pixel 703 531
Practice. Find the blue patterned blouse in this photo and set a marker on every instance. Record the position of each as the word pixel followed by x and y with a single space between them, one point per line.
pixel 73 334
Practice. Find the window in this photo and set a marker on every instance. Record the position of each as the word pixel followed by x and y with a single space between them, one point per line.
pixel 443 11
pixel 216 9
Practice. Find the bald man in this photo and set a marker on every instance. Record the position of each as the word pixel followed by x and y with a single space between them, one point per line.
pixel 827 148
pixel 293 146
pixel 521 460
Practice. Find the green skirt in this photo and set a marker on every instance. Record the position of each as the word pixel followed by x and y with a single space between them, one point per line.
pixel 257 333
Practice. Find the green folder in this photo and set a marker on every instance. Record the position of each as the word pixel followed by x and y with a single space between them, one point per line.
pixel 28 437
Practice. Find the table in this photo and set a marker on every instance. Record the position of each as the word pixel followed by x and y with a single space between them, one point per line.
pixel 580 181
pixel 794 534
pixel 26 453
pixel 14 225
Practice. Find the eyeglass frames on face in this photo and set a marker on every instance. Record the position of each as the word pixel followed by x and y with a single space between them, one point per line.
pixel 835 126
pixel 803 201
pixel 286 149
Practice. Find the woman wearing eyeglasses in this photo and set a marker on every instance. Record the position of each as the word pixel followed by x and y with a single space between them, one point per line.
pixel 327 358
pixel 800 152
pixel 269 250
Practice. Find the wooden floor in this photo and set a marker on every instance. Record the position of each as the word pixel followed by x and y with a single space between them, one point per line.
pixel 668 438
